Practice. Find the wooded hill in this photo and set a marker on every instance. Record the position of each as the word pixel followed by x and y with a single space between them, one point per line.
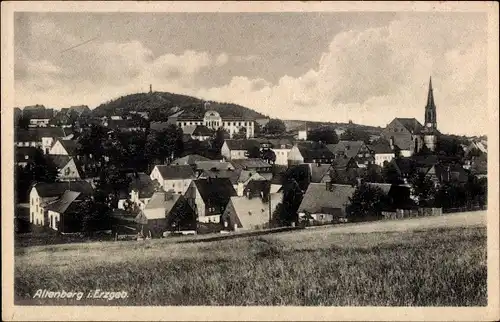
pixel 162 104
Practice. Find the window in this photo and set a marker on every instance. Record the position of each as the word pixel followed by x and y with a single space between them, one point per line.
pixel 32 201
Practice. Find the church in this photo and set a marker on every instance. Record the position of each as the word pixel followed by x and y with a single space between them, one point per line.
pixel 409 135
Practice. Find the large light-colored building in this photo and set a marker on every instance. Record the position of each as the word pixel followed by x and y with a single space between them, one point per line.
pixel 213 120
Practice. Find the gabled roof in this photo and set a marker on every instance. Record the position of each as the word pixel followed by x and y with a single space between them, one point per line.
pixel 317 197
pixel 213 164
pixel 281 143
pixel 246 175
pixel 314 151
pixel 251 163
pixel 70 146
pixel 252 213
pixel 60 161
pixel 341 163
pixel 215 192
pixel 190 159
pixel 63 204
pixel 411 124
pixel 381 147
pixel 258 188
pixel 318 172
pixel 56 189
pixel 202 130
pixel 349 148
pixel 188 129
pixel 176 172
pixel 162 200
pixel 241 144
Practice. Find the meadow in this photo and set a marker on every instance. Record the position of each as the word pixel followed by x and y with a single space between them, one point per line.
pixel 432 267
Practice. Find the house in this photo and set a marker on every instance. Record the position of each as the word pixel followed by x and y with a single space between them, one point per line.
pixel 173 177
pixel 252 164
pixel 325 203
pixel 214 120
pixel 160 214
pixel 281 149
pixel 63 213
pixel 116 123
pixel 159 126
pixel 42 194
pixel 404 133
pixel 278 178
pixel 209 198
pixel 237 149
pixel 443 173
pixel 67 167
pixel 197 132
pixel 42 137
pixel 357 150
pixel 382 152
pixel 25 155
pixel 190 159
pixel 244 213
pixel 40 117
pixel 310 152
pixel 319 172
pixel 64 147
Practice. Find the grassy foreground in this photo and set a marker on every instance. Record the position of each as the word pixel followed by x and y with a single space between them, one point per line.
pixel 436 267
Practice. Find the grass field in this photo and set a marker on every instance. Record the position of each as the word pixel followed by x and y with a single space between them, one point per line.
pixel 434 267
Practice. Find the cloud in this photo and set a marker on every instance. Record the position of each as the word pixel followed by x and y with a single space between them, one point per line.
pixel 368 75
pixel 222 59
pixel 371 76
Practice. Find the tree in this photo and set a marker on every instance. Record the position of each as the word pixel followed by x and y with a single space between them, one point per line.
pixel 391 174
pixel 110 183
pixel 219 137
pixel 324 135
pixel 257 129
pixel 292 197
pixel 352 134
pixel 242 134
pixel 23 122
pixel 367 201
pixel 164 145
pixel 269 156
pixel 41 169
pixel 373 173
pixel 254 152
pixel 93 216
pixel 275 127
pixel 423 188
pixel 449 146
pixel 92 142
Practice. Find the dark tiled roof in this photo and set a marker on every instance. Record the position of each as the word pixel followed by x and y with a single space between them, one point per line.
pixel 232 175
pixel 202 130
pixel 411 124
pixel 342 163
pixel 65 203
pixel 281 143
pixel 242 144
pixel 215 192
pixel 380 147
pixel 176 171
pixel 70 146
pixel 349 148
pixel 22 152
pixel 36 134
pixel 252 163
pixel 257 187
pixel 56 189
pixel 314 151
pixel 317 197
pixel 60 161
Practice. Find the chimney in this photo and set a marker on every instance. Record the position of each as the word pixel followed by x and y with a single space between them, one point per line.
pixel 328 185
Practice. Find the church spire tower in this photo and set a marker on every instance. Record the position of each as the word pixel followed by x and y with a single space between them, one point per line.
pixel 430 109
pixel 430 129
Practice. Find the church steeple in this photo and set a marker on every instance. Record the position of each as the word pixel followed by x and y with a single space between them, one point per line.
pixel 430 109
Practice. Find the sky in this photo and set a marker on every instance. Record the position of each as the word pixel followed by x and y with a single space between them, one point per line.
pixel 339 66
